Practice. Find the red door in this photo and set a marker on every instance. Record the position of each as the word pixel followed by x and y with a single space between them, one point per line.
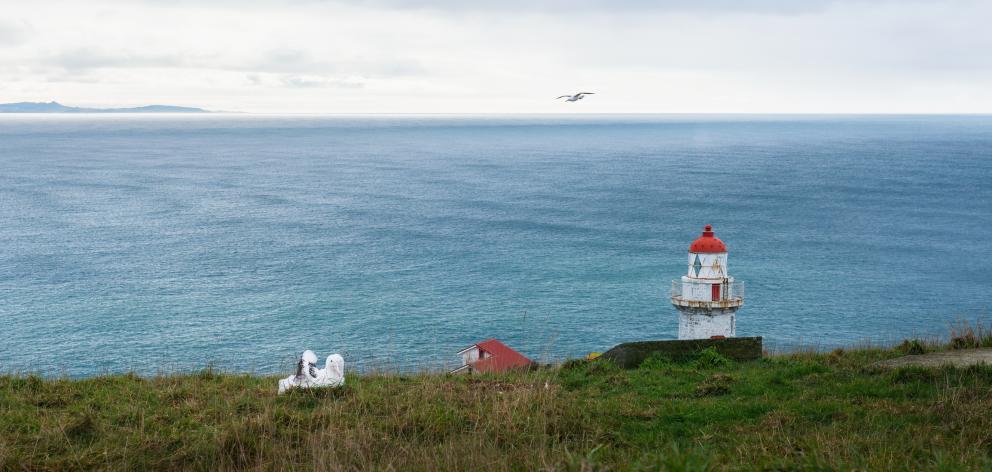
pixel 716 292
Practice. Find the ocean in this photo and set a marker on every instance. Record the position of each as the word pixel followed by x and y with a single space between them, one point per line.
pixel 168 243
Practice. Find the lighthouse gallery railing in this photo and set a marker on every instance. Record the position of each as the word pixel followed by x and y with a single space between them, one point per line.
pixel 731 291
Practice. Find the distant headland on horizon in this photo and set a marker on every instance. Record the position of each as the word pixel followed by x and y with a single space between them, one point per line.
pixel 55 107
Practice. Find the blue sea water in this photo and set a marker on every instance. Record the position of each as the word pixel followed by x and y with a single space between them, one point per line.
pixel 164 243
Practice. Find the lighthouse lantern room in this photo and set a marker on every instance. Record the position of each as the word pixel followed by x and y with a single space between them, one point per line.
pixel 708 297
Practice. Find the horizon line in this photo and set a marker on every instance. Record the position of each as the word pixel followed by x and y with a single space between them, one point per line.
pixel 207 112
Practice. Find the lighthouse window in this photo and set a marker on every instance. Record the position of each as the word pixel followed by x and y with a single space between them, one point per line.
pixel 696 266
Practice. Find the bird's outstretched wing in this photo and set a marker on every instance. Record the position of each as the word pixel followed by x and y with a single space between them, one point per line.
pixel 586 93
pixel 563 96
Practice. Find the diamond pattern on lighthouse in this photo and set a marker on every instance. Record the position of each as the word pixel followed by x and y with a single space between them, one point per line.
pixel 696 266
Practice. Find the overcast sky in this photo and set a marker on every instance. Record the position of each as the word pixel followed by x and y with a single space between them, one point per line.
pixel 488 56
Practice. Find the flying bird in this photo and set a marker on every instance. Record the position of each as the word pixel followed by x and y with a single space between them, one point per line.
pixel 576 97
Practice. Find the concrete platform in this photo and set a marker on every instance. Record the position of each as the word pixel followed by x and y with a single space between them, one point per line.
pixel 958 358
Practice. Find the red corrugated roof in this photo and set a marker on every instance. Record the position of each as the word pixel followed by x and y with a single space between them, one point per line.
pixel 502 357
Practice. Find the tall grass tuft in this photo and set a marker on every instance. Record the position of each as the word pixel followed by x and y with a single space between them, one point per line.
pixel 964 336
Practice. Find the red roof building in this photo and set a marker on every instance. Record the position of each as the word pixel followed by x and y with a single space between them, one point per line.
pixel 490 356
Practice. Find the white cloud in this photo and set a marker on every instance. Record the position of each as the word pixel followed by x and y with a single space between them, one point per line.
pixel 297 81
pixel 507 56
pixel 9 34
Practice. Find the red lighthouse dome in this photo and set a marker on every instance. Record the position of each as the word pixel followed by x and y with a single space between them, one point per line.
pixel 707 243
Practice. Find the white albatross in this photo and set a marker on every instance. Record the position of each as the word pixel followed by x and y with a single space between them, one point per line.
pixel 576 97
pixel 309 376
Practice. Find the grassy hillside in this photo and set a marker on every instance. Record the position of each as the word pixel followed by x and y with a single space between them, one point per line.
pixel 805 411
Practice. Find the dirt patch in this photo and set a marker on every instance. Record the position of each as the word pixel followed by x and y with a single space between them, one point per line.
pixel 959 358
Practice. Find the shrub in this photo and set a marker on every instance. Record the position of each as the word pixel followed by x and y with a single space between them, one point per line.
pixel 656 361
pixel 573 364
pixel 912 347
pixel 710 358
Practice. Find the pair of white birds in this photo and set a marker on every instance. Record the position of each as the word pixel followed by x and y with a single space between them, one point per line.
pixel 309 376
pixel 576 97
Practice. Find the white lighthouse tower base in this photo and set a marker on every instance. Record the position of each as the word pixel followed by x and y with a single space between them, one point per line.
pixel 706 326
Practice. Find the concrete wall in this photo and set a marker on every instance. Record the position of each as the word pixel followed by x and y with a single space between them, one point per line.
pixel 630 355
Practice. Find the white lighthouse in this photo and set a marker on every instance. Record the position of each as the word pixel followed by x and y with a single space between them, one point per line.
pixel 708 297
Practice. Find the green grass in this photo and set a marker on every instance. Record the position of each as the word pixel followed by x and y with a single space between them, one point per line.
pixel 804 411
